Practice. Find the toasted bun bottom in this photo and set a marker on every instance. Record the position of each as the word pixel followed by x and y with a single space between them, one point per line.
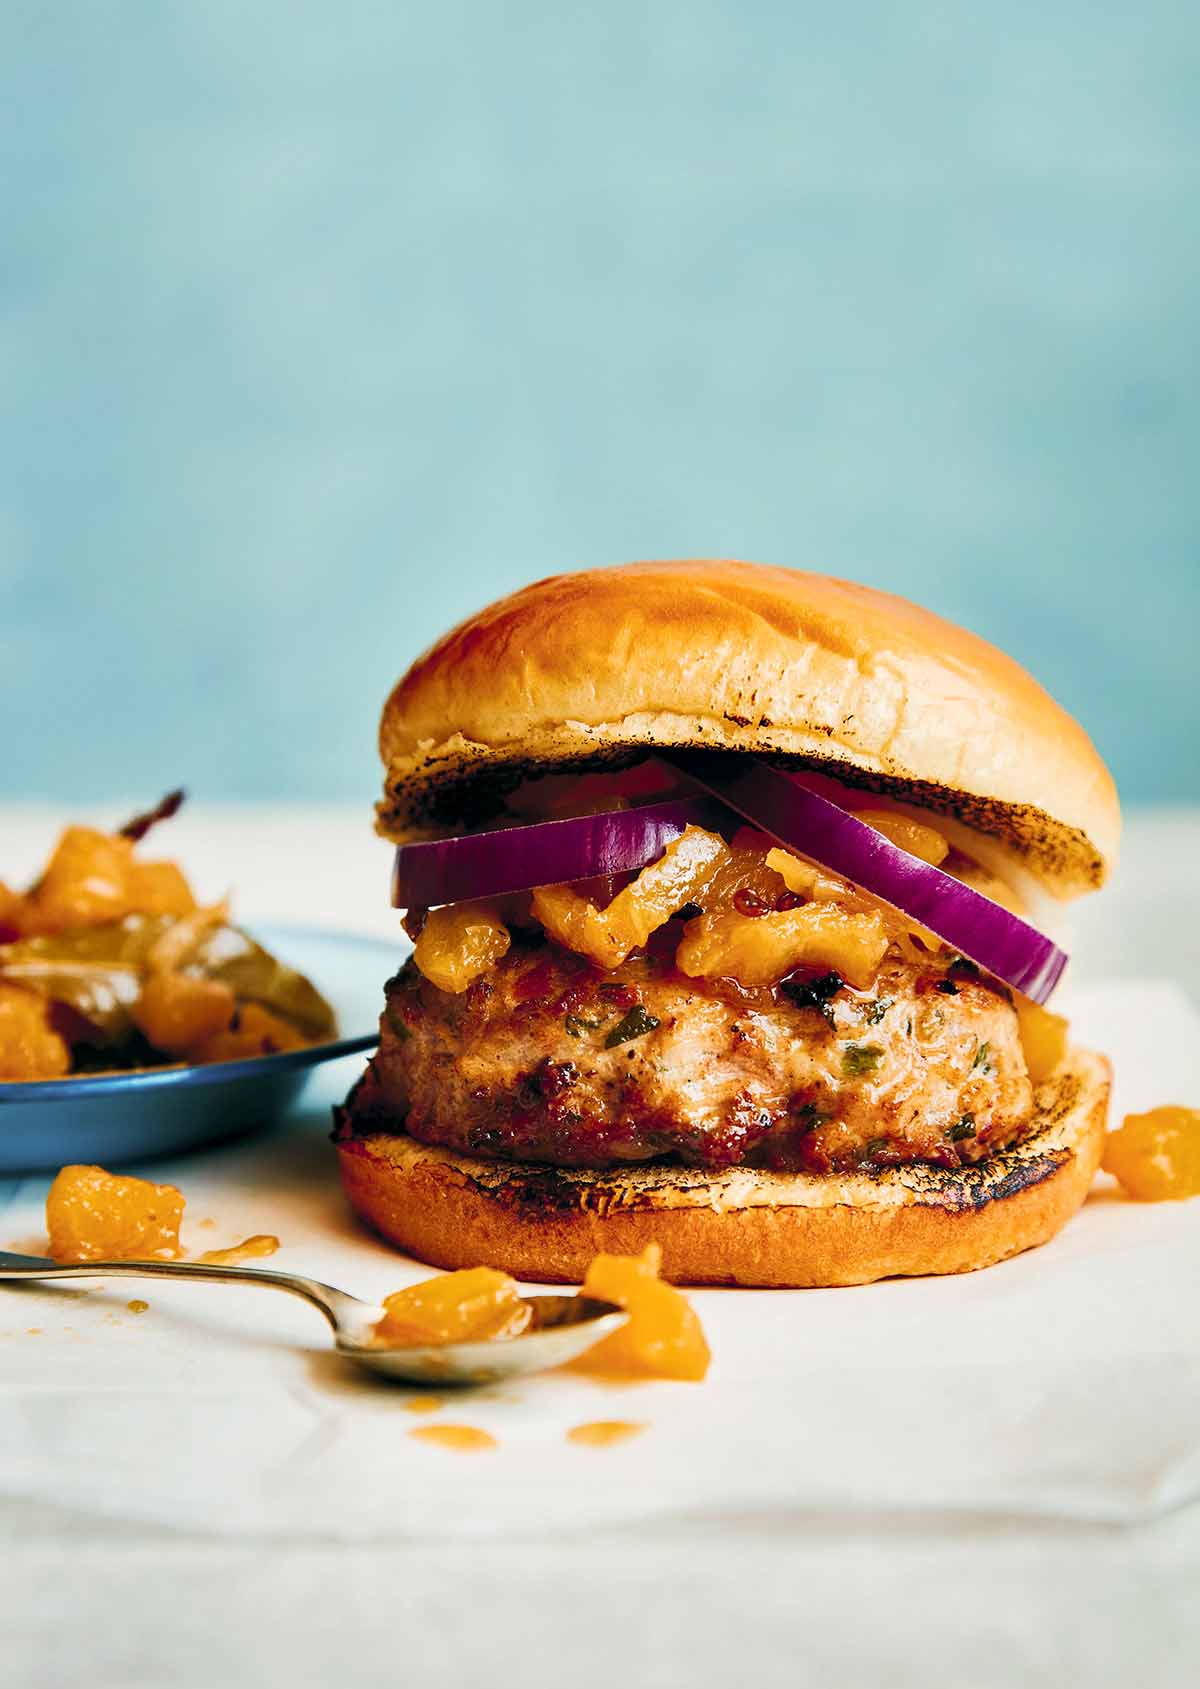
pixel 743 1226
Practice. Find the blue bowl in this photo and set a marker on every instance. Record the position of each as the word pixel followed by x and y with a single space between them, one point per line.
pixel 119 1118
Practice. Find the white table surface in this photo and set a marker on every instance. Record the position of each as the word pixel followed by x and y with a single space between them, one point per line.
pixel 825 1600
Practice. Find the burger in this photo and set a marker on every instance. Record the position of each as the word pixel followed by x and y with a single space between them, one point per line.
pixel 735 896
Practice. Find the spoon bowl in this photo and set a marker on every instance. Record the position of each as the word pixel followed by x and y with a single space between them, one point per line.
pixel 562 1327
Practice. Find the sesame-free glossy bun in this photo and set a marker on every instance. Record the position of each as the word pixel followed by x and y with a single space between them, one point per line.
pixel 744 1227
pixel 607 665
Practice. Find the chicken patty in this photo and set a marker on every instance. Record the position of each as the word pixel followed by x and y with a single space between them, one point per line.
pixel 547 1059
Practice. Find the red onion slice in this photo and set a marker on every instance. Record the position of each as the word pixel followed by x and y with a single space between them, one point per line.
pixel 979 929
pixel 545 852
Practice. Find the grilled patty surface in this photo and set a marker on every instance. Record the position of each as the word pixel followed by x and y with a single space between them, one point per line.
pixel 547 1059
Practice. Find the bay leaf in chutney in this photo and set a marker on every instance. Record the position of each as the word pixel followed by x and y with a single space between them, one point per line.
pixel 98 971
pixel 228 953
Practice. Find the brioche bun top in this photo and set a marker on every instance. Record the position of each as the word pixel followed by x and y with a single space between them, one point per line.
pixel 607 665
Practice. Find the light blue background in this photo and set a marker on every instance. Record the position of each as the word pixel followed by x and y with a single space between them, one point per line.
pixel 321 324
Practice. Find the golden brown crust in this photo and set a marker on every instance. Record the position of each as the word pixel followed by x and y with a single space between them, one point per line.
pixel 742 1227
pixel 608 664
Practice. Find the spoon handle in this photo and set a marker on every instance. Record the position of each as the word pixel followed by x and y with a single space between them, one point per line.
pixel 336 1305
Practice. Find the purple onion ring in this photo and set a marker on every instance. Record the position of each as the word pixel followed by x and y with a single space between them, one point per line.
pixel 545 853
pixel 979 929
pixel 620 841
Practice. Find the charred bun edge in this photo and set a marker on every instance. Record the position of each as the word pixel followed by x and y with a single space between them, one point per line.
pixel 740 1227
pixel 467 790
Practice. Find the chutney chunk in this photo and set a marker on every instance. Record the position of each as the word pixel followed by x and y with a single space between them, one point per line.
pixel 178 1012
pixel 1156 1156
pixel 662 1338
pixel 254 1032
pixel 475 1305
pixel 85 882
pixel 159 888
pixel 92 1215
pixel 607 936
pixel 1043 1037
pixel 30 1047
pixel 765 950
pixel 460 942
pixel 93 878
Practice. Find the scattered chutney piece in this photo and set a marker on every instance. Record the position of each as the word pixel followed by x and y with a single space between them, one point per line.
pixel 602 1433
pixel 254 1248
pixel 92 1215
pixel 475 1305
pixel 1156 1156
pixel 662 1337
pixel 423 1404
pixel 137 1306
pixel 466 1439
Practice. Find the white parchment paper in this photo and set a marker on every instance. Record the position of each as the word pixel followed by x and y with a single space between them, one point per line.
pixel 1063 1383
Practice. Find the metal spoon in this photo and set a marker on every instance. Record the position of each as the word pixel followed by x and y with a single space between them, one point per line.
pixel 562 1326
